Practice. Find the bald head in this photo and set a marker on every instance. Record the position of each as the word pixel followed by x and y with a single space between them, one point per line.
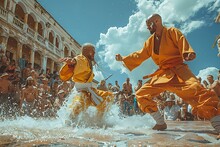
pixel 154 22
pixel 154 17
pixel 88 50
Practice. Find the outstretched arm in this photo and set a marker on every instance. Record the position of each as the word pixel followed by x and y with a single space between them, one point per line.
pixel 69 61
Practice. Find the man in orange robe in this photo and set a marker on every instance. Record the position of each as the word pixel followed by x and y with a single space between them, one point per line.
pixel 80 70
pixel 169 49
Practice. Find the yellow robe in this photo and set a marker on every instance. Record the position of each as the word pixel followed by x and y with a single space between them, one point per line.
pixel 173 75
pixel 82 73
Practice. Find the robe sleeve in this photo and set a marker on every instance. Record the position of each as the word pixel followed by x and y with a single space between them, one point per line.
pixel 136 58
pixel 180 41
pixel 66 72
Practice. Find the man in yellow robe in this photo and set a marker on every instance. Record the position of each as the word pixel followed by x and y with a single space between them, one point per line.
pixel 80 70
pixel 169 49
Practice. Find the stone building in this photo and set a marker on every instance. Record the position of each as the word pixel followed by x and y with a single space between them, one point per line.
pixel 29 33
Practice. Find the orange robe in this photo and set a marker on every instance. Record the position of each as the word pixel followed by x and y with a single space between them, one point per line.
pixel 82 73
pixel 173 75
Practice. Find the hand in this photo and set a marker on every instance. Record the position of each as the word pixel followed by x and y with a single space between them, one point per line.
pixel 69 61
pixel 118 57
pixel 189 56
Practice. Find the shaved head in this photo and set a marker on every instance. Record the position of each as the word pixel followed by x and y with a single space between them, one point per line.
pixel 154 22
pixel 154 17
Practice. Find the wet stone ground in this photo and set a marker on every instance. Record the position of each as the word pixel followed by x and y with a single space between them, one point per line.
pixel 180 133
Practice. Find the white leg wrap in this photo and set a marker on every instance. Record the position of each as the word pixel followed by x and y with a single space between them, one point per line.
pixel 215 121
pixel 158 117
pixel 87 86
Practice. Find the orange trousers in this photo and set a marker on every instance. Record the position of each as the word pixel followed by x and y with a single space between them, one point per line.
pixel 204 102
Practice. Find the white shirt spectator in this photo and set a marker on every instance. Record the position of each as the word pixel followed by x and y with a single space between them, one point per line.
pixel 172 110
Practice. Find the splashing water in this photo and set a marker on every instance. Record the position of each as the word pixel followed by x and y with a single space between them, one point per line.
pixel 112 127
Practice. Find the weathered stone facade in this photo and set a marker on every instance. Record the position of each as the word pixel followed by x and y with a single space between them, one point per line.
pixel 30 33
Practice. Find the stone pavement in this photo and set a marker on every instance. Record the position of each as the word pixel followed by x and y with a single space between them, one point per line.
pixel 178 133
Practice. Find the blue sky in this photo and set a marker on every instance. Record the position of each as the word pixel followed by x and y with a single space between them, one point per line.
pixel 118 26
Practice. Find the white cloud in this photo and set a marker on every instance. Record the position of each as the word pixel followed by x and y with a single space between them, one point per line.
pixel 98 74
pixel 130 38
pixel 208 71
pixel 189 27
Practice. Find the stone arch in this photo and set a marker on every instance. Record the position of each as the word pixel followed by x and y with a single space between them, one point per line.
pixel 19 12
pixel 2 3
pixel 41 28
pixel 51 36
pixel 22 6
pixel 57 41
pixel 73 53
pixel 66 51
pixel 31 22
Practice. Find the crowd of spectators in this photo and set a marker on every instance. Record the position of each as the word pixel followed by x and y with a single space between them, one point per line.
pixel 31 91
pixel 172 106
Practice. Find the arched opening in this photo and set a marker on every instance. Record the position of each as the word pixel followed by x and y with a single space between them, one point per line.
pixel 66 52
pixel 40 29
pixel 73 54
pixel 2 2
pixel 31 22
pixel 57 42
pixel 51 37
pixel 19 12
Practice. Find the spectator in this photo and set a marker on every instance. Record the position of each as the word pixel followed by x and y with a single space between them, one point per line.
pixel 136 108
pixel 171 110
pixel 102 86
pixel 109 87
pixel 185 115
pixel 29 95
pixel 214 85
pixel 10 69
pixel 3 64
pixel 127 87
pixel 205 84
pixel 117 85
pixel 6 90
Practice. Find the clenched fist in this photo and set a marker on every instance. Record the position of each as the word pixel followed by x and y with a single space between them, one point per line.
pixel 118 57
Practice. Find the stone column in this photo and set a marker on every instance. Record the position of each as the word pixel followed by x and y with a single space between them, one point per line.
pixel 36 30
pixel 44 63
pixel 19 45
pixel 36 26
pixel 25 18
pixel 52 66
pixel 5 4
pixel 12 6
pixel 32 57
